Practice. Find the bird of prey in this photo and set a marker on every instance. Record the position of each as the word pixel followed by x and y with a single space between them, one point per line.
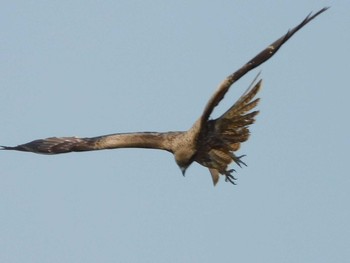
pixel 209 142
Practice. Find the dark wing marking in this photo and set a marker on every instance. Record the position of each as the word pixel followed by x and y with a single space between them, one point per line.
pixel 55 145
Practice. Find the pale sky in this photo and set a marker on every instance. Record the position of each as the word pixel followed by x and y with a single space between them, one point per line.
pixel 88 68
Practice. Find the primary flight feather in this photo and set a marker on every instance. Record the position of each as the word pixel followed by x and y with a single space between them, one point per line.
pixel 211 143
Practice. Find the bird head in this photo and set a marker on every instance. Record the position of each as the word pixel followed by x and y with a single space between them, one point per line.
pixel 183 159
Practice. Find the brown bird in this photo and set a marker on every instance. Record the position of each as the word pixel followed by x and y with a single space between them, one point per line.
pixel 211 143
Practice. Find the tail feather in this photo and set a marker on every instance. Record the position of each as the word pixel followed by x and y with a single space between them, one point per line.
pixel 214 175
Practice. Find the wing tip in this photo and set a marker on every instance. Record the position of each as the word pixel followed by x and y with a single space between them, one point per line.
pixel 2 147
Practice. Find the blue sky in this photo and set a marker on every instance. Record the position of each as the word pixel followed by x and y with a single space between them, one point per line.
pixel 88 68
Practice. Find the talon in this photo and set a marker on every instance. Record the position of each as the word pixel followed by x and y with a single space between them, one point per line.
pixel 230 177
pixel 238 160
pixel 230 180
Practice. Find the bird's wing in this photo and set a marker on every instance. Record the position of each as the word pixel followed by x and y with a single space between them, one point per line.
pixel 253 63
pixel 56 145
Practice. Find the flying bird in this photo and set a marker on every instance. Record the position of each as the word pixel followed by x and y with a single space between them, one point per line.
pixel 209 142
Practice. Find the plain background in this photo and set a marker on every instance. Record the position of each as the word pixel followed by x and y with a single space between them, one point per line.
pixel 88 68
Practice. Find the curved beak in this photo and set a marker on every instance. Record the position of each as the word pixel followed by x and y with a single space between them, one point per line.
pixel 183 170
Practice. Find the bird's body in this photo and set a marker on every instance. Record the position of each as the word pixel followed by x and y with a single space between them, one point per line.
pixel 211 143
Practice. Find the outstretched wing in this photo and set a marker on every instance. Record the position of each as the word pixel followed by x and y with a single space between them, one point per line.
pixel 253 63
pixel 56 145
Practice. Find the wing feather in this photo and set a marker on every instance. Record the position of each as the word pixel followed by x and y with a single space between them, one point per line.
pixel 264 55
pixel 56 145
